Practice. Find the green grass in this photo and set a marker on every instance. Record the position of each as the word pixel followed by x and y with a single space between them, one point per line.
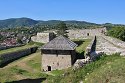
pixel 35 43
pixel 108 69
pixel 83 46
pixel 35 63
pixel 58 72
pixel 18 70
pixel 112 71
pixel 15 49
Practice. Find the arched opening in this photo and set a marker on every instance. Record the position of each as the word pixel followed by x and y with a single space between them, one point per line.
pixel 49 68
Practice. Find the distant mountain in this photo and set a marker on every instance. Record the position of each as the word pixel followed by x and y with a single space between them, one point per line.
pixel 54 22
pixel 70 23
pixel 17 22
pixel 27 22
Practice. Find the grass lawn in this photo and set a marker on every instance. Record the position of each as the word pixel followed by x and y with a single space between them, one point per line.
pixel 81 49
pixel 35 43
pixel 83 45
pixel 57 72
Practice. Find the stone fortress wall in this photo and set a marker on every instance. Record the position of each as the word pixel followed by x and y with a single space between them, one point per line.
pixel 75 34
pixel 8 57
pixel 85 33
pixel 91 47
pixel 7 47
pixel 43 37
pixel 104 44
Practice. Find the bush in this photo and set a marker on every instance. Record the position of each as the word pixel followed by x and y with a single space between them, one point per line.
pixel 117 32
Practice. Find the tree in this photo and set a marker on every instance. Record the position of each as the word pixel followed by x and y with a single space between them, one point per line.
pixel 1 37
pixel 62 29
pixel 19 41
pixel 118 32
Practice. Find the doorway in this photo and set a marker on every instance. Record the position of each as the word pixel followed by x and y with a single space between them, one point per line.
pixel 49 68
pixel 87 34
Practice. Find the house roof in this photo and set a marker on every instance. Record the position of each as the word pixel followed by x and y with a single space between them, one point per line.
pixel 60 43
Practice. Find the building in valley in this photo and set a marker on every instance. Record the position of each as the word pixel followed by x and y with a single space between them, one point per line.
pixel 59 53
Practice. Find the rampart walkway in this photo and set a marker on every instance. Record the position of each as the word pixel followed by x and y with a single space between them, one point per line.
pixel 110 45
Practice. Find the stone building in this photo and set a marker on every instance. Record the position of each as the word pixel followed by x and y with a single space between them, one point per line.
pixel 59 53
pixel 43 37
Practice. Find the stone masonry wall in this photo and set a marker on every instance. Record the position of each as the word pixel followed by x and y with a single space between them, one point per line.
pixel 75 34
pixel 91 47
pixel 7 47
pixel 56 62
pixel 43 37
pixel 8 57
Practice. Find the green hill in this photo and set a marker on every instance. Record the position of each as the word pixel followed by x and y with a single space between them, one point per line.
pixel 27 22
pixel 17 22
pixel 51 24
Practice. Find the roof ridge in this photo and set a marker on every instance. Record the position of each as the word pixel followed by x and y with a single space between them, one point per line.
pixel 60 43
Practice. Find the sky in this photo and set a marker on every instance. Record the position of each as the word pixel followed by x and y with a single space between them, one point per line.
pixel 96 11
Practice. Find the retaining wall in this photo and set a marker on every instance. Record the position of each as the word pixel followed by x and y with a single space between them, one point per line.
pixel 9 57
pixel 91 50
pixel 91 47
pixel 7 47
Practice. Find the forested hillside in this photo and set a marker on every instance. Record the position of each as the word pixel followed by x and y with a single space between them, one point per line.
pixel 17 22
pixel 27 22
